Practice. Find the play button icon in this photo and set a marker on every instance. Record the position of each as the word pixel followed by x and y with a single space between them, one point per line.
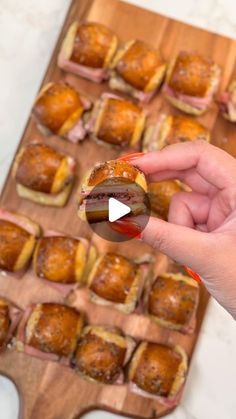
pixel 108 202
pixel 117 210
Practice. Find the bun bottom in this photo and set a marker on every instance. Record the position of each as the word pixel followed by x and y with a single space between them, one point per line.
pixel 54 200
pixel 185 107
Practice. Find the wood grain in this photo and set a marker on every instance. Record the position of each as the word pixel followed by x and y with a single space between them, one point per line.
pixel 48 390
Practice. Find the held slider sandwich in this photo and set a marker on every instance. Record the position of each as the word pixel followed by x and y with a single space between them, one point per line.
pixel 191 82
pixel 49 331
pixel 59 109
pixel 87 50
pixel 18 235
pixel 114 178
pixel 117 121
pixel 101 354
pixel 171 129
pixel 63 261
pixel 138 70
pixel 43 174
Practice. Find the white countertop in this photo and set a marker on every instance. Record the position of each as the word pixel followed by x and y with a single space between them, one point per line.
pixel 28 31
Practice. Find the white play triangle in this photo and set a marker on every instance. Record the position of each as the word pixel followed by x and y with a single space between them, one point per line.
pixel 117 210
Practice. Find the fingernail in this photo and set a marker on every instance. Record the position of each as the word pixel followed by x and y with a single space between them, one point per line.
pixel 128 227
pixel 193 274
pixel 132 156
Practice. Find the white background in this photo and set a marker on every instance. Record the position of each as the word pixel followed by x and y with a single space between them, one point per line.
pixel 28 31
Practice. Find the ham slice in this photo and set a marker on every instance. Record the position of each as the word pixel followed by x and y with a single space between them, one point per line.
pixel 167 401
pixel 71 163
pixel 108 95
pixel 228 106
pixel 76 133
pixel 15 314
pixel 200 103
pixel 23 222
pixel 16 275
pixel 64 289
pixel 131 344
pixel 29 350
pixel 96 75
pixel 225 98
pixel 144 97
pixel 23 322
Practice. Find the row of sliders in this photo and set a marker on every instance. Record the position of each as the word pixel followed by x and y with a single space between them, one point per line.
pixel 61 110
pixel 46 176
pixel 100 354
pixel 66 263
pixel 92 50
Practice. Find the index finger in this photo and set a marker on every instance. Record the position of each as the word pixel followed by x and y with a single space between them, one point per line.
pixel 215 165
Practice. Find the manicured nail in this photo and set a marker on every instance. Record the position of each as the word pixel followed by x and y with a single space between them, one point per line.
pixel 193 274
pixel 132 156
pixel 127 227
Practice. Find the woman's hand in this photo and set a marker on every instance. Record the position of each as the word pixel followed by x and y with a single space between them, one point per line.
pixel 201 232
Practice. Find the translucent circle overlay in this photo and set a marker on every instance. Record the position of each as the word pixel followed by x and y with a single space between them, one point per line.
pixel 96 206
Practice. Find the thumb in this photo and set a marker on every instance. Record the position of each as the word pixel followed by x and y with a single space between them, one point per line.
pixel 182 244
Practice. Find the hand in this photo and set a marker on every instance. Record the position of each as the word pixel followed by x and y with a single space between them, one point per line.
pixel 201 232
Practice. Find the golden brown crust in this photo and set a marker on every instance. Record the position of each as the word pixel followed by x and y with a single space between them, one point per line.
pixel 37 166
pixel 160 194
pixel 54 328
pixel 56 104
pixel 113 278
pixel 112 169
pixel 99 358
pixel 55 259
pixel 156 368
pixel 186 129
pixel 138 64
pixel 92 44
pixel 191 74
pixel 12 242
pixel 118 121
pixel 173 299
pixel 5 321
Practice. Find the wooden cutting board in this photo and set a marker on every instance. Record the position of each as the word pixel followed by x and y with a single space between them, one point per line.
pixel 48 390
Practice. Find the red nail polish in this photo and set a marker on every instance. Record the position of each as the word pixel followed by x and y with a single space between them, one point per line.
pixel 128 227
pixel 132 156
pixel 193 274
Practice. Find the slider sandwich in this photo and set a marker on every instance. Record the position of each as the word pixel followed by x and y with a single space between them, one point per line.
pixel 172 129
pixel 18 237
pixel 158 372
pixel 101 354
pixel 113 179
pixel 9 319
pixel 138 69
pixel 60 109
pixel 171 301
pixel 49 331
pixel 191 82
pixel 117 121
pixel 228 102
pixel 87 50
pixel 43 174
